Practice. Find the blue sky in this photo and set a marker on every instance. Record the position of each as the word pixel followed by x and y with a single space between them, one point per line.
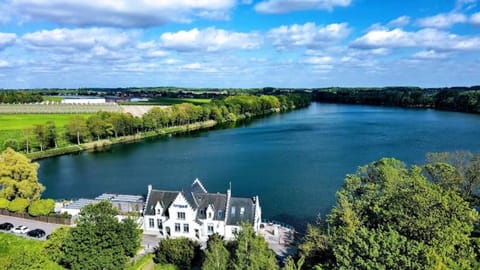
pixel 238 43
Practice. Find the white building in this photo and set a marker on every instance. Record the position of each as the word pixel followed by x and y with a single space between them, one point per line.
pixel 194 213
pixel 83 100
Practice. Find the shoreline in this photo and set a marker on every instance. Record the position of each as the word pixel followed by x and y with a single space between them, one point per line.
pixel 105 143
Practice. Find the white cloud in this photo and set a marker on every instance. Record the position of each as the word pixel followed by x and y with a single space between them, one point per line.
pixel 475 19
pixel 430 55
pixel 118 13
pixel 319 60
pixel 443 21
pixel 7 40
pixel 309 35
pixel 399 22
pixel 78 39
pixel 424 38
pixel 285 6
pixel 209 39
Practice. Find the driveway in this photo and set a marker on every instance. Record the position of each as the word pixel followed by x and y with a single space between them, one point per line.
pixel 31 224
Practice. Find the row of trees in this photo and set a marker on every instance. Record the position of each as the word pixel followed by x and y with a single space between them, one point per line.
pixel 247 251
pixel 20 97
pixel 463 100
pixel 103 125
pixel 388 216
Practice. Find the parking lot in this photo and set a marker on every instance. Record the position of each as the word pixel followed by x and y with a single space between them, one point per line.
pixel 31 224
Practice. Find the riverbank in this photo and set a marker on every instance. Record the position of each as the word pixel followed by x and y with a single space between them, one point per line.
pixel 105 143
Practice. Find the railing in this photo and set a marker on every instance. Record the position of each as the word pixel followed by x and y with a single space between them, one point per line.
pixel 281 224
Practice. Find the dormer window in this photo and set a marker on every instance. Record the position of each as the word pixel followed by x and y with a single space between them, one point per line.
pixel 220 214
pixel 233 210
pixel 209 214
pixel 202 212
pixel 242 211
pixel 159 211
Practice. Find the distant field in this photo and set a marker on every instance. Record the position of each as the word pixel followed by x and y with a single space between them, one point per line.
pixel 52 98
pixel 170 101
pixel 56 108
pixel 15 248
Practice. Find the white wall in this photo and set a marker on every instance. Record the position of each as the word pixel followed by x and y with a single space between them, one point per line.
pixel 84 101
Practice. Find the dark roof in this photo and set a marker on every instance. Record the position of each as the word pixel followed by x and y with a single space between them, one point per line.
pixel 218 202
pixel 235 214
pixel 164 197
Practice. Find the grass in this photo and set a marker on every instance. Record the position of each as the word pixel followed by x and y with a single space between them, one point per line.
pixel 52 98
pixel 170 101
pixel 18 250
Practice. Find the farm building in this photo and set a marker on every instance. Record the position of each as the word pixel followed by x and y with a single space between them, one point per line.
pixel 83 100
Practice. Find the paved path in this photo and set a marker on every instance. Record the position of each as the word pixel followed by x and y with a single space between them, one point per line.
pixel 31 224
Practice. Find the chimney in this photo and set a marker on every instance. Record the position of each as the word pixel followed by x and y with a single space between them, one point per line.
pixel 149 188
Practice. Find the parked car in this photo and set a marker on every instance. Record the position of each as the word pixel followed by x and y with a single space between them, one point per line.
pixel 37 233
pixel 20 229
pixel 6 226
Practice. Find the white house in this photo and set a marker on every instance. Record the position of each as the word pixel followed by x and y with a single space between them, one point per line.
pixel 194 213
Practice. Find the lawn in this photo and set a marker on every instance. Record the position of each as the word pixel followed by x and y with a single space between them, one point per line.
pixel 170 101
pixel 20 253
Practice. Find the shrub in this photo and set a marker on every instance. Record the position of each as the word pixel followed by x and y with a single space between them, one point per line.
pixel 11 143
pixel 178 251
pixel 41 207
pixel 4 203
pixel 18 205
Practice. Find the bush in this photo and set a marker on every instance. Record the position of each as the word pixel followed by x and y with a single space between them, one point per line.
pixel 4 203
pixel 41 207
pixel 178 251
pixel 18 205
pixel 11 143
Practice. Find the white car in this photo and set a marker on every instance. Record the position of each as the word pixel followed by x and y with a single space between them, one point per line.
pixel 20 229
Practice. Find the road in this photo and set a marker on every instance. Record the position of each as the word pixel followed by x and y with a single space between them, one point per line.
pixel 31 224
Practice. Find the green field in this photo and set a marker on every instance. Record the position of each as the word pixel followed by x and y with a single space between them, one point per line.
pixel 20 253
pixel 169 101
pixel 12 125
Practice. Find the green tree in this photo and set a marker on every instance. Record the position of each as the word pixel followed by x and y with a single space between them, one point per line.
pixel 76 130
pixel 4 203
pixel 216 254
pixel 27 139
pixel 18 177
pixel 251 251
pixel 99 241
pixel 291 265
pixel 41 135
pixel 51 134
pixel 97 126
pixel 41 207
pixel 11 143
pixel 54 246
pixel 177 251
pixel 18 205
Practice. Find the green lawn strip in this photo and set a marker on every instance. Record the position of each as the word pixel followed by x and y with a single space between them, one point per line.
pixel 169 101
pixel 165 267
pixel 22 121
pixel 145 263
pixel 17 250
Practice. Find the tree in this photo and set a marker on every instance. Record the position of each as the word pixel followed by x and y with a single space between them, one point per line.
pixel 27 134
pixel 4 203
pixel 216 254
pixel 178 251
pixel 251 251
pixel 76 130
pixel 97 126
pixel 18 177
pixel 41 135
pixel 18 205
pixel 41 207
pixel 387 214
pixel 99 241
pixel 51 134
pixel 11 143
pixel 54 245
pixel 291 265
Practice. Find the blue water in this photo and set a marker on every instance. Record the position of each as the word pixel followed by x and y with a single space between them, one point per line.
pixel 294 161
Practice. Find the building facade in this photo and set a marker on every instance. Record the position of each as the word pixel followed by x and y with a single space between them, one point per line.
pixel 194 213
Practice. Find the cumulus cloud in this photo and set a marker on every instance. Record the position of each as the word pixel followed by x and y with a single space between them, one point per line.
pixel 424 38
pixel 119 13
pixel 78 39
pixel 475 19
pixel 209 39
pixel 442 21
pixel 309 35
pixel 399 22
pixel 285 6
pixel 7 40
pixel 430 55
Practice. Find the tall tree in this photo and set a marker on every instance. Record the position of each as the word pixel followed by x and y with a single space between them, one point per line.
pixel 251 251
pixel 76 129
pixel 178 251
pixel 41 135
pixel 99 241
pixel 51 134
pixel 97 126
pixel 18 177
pixel 27 137
pixel 216 254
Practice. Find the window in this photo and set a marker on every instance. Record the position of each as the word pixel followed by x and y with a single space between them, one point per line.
pixel 242 211
pixel 202 212
pixel 185 228
pixel 210 228
pixel 151 222
pixel 234 231
pixel 209 214
pixel 181 215
pixel 220 214
pixel 159 211
pixel 159 223
pixel 177 227
pixel 233 210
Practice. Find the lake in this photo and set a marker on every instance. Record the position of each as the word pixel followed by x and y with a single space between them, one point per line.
pixel 294 161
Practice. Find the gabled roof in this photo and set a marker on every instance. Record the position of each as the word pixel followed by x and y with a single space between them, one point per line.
pixel 164 197
pixel 235 214
pixel 217 201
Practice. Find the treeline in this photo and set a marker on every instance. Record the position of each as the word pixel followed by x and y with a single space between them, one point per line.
pixel 11 97
pixel 105 125
pixel 463 99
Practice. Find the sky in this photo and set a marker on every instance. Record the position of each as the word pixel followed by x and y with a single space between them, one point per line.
pixel 239 43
